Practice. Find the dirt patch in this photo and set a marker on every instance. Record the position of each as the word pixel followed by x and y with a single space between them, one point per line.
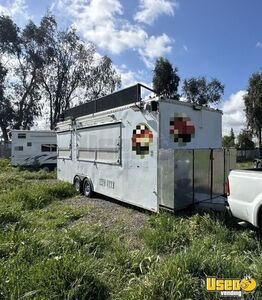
pixel 113 215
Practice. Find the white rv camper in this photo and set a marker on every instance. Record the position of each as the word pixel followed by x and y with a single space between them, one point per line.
pixel 152 154
pixel 34 147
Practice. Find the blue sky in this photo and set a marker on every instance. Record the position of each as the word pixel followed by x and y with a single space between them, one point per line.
pixel 221 39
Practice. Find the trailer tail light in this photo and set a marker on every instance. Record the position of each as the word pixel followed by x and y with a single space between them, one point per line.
pixel 227 187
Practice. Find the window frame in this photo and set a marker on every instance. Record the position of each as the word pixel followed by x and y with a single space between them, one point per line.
pixel 21 135
pixel 49 147
pixel 19 148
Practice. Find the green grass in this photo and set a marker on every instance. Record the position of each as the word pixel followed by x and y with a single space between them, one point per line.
pixel 49 248
pixel 245 165
pixel 12 178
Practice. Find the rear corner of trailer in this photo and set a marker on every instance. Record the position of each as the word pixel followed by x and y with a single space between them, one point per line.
pixel 187 135
pixel 64 151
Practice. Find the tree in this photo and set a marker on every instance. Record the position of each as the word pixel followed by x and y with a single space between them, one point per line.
pixel 253 106
pixel 245 140
pixel 70 70
pixel 6 112
pixel 199 91
pixel 103 79
pixel 23 95
pixel 165 79
pixel 229 140
pixel 52 67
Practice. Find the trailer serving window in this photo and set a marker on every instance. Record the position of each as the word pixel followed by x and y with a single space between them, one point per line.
pixel 64 140
pixel 100 143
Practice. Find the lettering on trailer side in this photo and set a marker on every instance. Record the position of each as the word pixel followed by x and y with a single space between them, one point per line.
pixel 107 183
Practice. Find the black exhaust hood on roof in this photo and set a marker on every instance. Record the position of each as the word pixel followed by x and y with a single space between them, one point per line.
pixel 120 98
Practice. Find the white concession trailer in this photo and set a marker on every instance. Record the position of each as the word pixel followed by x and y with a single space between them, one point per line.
pixel 34 147
pixel 150 153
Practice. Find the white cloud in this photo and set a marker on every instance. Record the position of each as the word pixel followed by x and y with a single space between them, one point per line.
pixel 155 47
pixel 259 44
pixel 150 10
pixel 16 9
pixel 129 77
pixel 233 113
pixel 102 22
pixel 185 48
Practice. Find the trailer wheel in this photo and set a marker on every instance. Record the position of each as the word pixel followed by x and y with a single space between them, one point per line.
pixel 258 165
pixel 78 184
pixel 87 188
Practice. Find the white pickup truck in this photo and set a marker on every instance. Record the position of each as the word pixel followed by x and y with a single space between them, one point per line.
pixel 244 194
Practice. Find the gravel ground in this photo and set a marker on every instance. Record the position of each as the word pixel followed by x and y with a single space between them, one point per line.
pixel 113 215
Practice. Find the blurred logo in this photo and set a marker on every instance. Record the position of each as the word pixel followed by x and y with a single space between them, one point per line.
pixel 141 139
pixel 182 129
pixel 231 287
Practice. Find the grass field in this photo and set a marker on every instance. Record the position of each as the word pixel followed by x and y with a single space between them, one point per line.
pixel 245 165
pixel 56 245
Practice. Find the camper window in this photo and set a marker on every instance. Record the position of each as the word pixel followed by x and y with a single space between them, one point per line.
pixel 29 144
pixel 19 148
pixel 48 148
pixel 21 135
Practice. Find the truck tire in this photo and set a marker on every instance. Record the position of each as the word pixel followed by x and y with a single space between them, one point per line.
pixel 87 188
pixel 46 169
pixel 259 218
pixel 78 184
pixel 258 165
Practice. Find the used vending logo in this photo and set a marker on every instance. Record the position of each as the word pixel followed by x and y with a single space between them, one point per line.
pixel 231 287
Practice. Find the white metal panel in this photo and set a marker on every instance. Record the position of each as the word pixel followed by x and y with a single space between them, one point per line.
pixel 87 154
pixel 64 143
pixel 108 155
pixel 106 136
pixel 207 125
pixel 134 180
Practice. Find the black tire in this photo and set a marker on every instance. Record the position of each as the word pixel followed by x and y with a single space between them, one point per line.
pixel 87 188
pixel 46 168
pixel 259 218
pixel 259 165
pixel 78 184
